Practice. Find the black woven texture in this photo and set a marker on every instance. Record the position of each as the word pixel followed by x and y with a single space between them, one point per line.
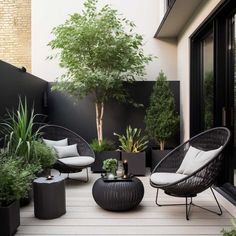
pixel 205 176
pixel 55 132
pixel 118 196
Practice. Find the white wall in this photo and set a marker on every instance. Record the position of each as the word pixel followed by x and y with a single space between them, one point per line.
pixel 183 61
pixel 47 14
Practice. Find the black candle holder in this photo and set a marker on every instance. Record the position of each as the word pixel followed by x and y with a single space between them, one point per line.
pixel 49 177
pixel 125 165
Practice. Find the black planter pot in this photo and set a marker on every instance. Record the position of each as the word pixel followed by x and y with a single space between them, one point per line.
pixel 10 219
pixel 157 156
pixel 26 200
pixel 101 156
pixel 136 162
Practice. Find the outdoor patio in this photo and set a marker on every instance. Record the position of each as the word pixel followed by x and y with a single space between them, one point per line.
pixel 85 217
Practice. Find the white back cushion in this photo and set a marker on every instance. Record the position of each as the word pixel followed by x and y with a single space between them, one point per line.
pixel 189 156
pixel 51 143
pixel 66 151
pixel 200 160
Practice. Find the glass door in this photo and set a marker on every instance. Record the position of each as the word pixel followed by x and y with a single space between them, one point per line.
pixel 208 81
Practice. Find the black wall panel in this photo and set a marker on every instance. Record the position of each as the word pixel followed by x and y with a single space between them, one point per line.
pixel 79 115
pixel 14 83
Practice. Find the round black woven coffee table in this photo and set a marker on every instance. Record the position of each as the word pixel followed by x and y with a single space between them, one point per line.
pixel 118 195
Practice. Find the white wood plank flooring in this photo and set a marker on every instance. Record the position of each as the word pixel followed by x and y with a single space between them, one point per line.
pixel 84 217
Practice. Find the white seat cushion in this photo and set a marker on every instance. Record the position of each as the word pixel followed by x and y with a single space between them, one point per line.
pixel 77 161
pixel 166 178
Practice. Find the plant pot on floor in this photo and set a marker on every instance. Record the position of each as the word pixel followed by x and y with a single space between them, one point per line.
pixel 10 219
pixel 157 156
pixel 101 156
pixel 136 162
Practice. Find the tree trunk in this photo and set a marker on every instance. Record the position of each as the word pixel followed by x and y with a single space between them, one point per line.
pixel 99 120
pixel 162 145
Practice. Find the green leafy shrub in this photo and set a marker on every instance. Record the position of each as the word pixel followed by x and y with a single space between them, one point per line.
pixel 18 131
pixel 106 145
pixel 44 155
pixel 132 141
pixel 110 165
pixel 15 179
pixel 232 232
pixel 161 117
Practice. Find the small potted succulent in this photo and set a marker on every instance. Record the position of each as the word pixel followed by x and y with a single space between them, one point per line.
pixel 110 166
pixel 16 179
pixel 133 146
pixel 102 152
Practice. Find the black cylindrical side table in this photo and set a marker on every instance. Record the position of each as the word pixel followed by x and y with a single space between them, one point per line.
pixel 118 195
pixel 49 197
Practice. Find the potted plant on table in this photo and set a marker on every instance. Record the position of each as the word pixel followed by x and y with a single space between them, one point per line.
pixel 161 117
pixel 110 166
pixel 102 152
pixel 133 146
pixel 15 182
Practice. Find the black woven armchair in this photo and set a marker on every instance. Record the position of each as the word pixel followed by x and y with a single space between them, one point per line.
pixel 56 132
pixel 188 186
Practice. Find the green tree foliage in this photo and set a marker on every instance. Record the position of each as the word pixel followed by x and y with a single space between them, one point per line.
pixel 208 99
pixel 99 51
pixel 161 118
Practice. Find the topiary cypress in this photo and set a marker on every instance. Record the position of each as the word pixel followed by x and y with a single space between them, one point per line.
pixel 161 117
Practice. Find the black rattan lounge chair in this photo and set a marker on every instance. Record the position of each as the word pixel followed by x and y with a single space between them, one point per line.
pixel 204 177
pixel 55 132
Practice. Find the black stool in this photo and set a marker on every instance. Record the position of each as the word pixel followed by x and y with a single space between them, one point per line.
pixel 49 197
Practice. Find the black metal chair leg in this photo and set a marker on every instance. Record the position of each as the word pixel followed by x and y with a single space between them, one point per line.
pixel 80 180
pixel 174 204
pixel 189 205
pixel 206 209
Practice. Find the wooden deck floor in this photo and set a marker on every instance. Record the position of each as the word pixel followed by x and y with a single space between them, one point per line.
pixel 84 217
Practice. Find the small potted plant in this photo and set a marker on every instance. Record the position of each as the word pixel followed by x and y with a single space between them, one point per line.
pixel 15 182
pixel 102 152
pixel 110 166
pixel 161 117
pixel 133 146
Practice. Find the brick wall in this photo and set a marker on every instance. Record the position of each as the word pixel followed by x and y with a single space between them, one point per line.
pixel 15 32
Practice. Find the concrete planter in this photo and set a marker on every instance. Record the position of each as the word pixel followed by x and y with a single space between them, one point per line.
pixel 157 156
pixel 10 219
pixel 101 156
pixel 136 162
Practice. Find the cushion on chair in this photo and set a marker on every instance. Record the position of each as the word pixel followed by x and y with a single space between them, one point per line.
pixel 189 156
pixel 166 178
pixel 51 143
pixel 200 160
pixel 77 161
pixel 66 151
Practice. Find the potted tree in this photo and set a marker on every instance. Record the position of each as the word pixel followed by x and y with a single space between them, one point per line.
pixel 133 146
pixel 103 151
pixel 161 117
pixel 99 51
pixel 15 182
